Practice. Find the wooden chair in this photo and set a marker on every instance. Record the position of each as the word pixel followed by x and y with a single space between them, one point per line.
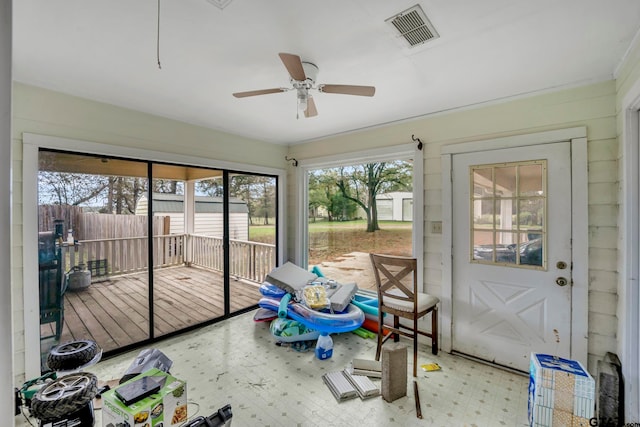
pixel 396 279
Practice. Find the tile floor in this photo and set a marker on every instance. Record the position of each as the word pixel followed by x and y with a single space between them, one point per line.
pixel 237 362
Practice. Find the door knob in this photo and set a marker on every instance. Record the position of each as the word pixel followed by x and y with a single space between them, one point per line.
pixel 562 281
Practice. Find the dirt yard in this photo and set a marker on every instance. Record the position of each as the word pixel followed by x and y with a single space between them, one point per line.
pixel 343 253
pixel 331 245
pixel 341 249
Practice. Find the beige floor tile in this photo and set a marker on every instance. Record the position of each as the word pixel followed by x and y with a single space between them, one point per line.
pixel 237 362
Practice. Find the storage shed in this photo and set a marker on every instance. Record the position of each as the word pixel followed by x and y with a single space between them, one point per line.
pixel 395 206
pixel 208 214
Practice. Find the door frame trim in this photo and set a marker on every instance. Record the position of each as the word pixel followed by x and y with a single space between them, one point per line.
pixel 629 230
pixel 31 143
pixel 577 136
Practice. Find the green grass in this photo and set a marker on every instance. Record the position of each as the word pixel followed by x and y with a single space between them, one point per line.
pixel 359 224
pixel 262 233
pixel 266 233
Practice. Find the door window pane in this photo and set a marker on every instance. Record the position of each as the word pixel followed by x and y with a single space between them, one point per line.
pixel 483 182
pixel 483 213
pixel 531 180
pixel 531 245
pixel 531 213
pixel 483 245
pixel 505 181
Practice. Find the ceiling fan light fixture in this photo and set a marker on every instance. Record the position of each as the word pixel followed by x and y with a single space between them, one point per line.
pixel 302 76
pixel 303 96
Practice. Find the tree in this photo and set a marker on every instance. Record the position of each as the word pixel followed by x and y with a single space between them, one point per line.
pixel 257 191
pixel 264 191
pixel 316 197
pixel 211 187
pixel 364 182
pixel 167 186
pixel 70 188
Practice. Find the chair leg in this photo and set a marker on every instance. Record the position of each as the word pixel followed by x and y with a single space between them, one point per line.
pixel 434 331
pixel 396 324
pixel 380 337
pixel 379 348
pixel 415 346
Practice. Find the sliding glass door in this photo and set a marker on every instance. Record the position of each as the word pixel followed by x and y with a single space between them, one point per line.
pixel 208 234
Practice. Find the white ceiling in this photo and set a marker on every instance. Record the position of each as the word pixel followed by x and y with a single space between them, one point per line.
pixel 487 50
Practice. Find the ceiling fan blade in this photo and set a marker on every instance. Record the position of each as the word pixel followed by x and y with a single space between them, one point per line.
pixel 293 63
pixel 311 110
pixel 259 92
pixel 348 89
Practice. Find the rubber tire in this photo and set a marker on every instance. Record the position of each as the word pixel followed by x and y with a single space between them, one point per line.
pixel 71 355
pixel 64 396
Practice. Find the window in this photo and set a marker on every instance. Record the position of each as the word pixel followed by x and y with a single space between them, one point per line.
pixel 507 212
pixel 342 223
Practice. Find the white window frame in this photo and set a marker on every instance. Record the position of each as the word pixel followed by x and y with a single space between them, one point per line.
pixel 8 220
pixel 32 143
pixel 579 231
pixel 397 152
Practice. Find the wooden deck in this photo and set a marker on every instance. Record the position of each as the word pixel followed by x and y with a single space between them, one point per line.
pixel 115 313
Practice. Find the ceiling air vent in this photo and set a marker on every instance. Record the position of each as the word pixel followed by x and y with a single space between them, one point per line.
pixel 221 4
pixel 413 26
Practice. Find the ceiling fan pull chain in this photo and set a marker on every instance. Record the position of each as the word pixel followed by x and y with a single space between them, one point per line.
pixel 158 39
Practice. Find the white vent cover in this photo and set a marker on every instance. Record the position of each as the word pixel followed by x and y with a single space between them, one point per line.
pixel 413 26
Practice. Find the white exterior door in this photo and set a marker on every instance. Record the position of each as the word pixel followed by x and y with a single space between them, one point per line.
pixel 511 268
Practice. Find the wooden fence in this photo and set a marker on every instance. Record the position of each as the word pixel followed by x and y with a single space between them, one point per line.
pixel 97 226
pixel 70 215
pixel 109 226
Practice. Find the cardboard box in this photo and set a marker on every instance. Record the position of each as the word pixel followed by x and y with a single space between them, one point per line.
pixel 167 407
pixel 561 392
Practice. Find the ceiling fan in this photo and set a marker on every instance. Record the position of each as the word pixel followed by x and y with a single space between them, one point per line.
pixel 303 79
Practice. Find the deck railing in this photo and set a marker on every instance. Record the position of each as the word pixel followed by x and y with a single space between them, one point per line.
pixel 248 260
pixel 126 254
